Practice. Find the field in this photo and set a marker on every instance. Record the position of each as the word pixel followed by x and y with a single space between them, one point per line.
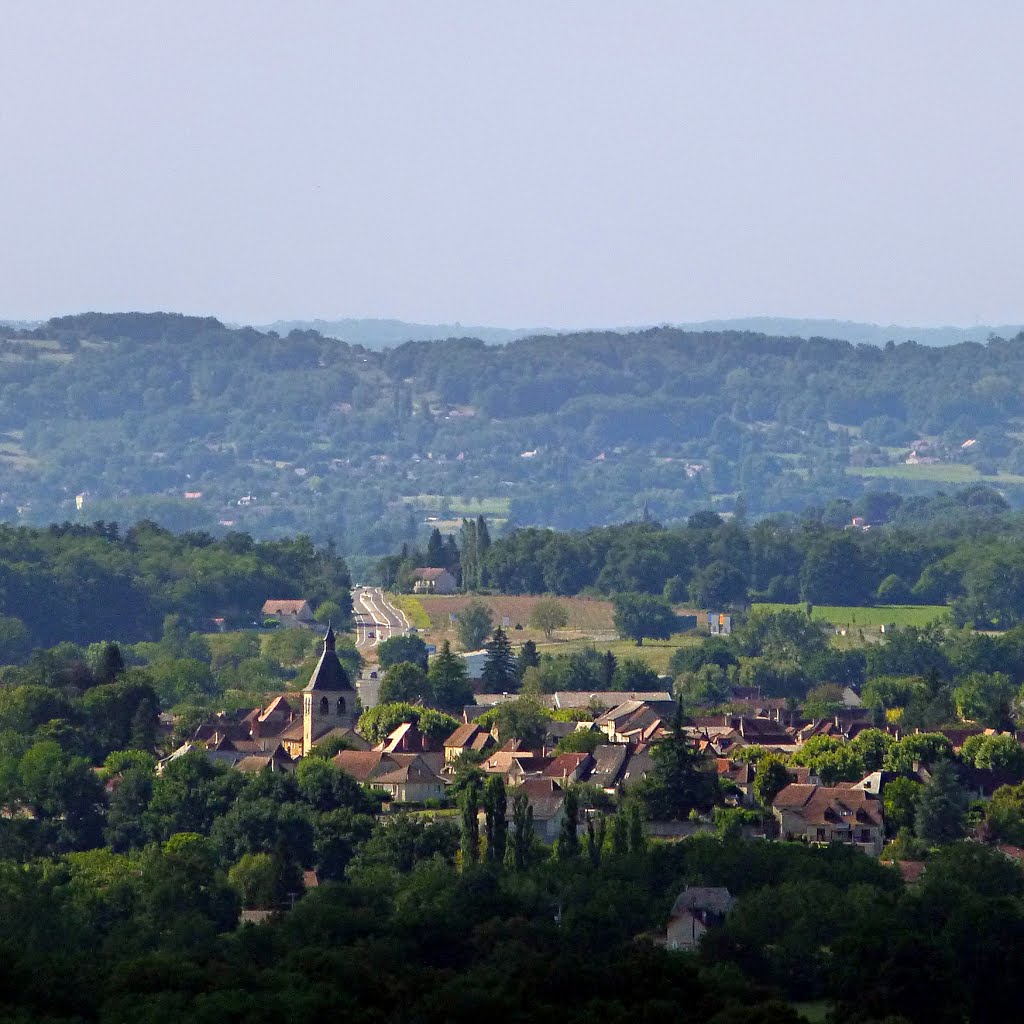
pixel 414 610
pixel 879 615
pixel 585 615
pixel 939 473
pixel 465 506
pixel 655 653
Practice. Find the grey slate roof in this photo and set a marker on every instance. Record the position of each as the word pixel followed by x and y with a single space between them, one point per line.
pixel 329 673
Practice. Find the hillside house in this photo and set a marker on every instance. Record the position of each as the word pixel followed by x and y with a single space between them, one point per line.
pixel 289 613
pixel 433 581
pixel 468 737
pixel 547 801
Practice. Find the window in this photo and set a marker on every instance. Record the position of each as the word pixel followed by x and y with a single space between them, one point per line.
pixel 341 705
pixel 325 706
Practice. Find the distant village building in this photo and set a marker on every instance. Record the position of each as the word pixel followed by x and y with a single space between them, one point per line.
pixel 433 581
pixel 328 699
pixel 288 612
pixel 831 814
pixel 696 909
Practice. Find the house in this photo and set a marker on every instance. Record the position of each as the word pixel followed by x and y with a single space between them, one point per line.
pixel 469 737
pixel 406 778
pixel 433 581
pixel 696 909
pixel 636 721
pixel 514 765
pixel 740 776
pixel 830 814
pixel 568 768
pixel 289 613
pixel 404 739
pixel 609 762
pixel 547 802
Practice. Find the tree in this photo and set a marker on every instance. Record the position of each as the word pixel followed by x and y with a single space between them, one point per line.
pixel 681 779
pixel 109 664
pixel 448 681
pixel 528 658
pixel 596 828
pixel 1004 815
pixel 499 672
pixel 609 663
pixel 941 814
pixel 522 830
pixel 402 682
pixel 254 877
pixel 436 555
pixel 474 625
pixel 495 824
pixel 469 807
pixel 329 612
pixel 823 701
pixel 637 616
pixel 899 802
pixel 397 649
pixel 718 585
pixel 634 674
pixel 568 843
pixel 524 719
pixel 771 776
pixel 984 697
pixel 549 615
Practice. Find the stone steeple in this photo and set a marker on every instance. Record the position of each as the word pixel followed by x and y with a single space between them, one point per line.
pixel 328 699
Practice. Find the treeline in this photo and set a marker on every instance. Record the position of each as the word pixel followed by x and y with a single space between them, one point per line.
pixel 90 583
pixel 972 560
pixel 335 440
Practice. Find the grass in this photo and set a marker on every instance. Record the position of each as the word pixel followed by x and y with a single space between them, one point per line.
pixel 939 473
pixel 813 1012
pixel 414 610
pixel 656 653
pixel 879 615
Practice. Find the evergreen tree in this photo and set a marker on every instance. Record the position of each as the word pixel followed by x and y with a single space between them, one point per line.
pixel 568 847
pixel 528 658
pixel 143 727
pixel 470 557
pixel 470 837
pixel 499 672
pixel 495 823
pixel 609 663
pixel 941 815
pixel 436 556
pixel 681 779
pixel 110 664
pixel 447 681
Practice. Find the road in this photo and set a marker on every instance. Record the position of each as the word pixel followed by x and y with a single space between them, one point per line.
pixel 376 618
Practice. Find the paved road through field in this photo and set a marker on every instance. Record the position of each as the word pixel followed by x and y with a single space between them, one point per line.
pixel 376 618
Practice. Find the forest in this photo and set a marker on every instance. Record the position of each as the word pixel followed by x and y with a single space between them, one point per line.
pixel 219 428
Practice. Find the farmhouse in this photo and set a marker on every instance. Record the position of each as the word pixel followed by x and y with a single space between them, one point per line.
pixel 433 581
pixel 288 612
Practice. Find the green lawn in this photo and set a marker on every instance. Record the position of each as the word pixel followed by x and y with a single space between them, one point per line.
pixel 879 615
pixel 655 652
pixel 939 473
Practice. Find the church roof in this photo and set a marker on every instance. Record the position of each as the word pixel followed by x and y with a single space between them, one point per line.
pixel 329 673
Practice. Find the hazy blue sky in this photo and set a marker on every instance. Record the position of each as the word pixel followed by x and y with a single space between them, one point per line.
pixel 513 163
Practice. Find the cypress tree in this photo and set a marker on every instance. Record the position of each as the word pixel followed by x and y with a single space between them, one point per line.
pixel 568 847
pixel 495 824
pixel 470 843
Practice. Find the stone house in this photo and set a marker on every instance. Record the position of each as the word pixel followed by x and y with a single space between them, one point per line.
pixel 696 909
pixel 289 613
pixel 831 814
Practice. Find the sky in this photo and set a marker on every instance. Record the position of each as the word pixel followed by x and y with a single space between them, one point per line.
pixel 558 164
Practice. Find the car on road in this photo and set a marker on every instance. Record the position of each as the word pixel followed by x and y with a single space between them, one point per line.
pixel 372 635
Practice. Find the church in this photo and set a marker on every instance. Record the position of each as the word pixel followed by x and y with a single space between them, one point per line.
pixel 328 699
